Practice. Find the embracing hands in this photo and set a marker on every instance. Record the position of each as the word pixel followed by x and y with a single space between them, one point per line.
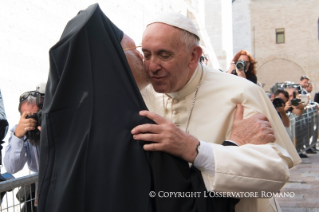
pixel 253 130
pixel 166 137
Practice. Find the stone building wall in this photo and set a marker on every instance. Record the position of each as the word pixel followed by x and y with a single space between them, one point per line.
pixel 219 28
pixel 300 52
pixel 242 29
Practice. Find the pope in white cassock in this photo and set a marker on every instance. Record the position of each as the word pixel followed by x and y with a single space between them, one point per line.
pixel 199 105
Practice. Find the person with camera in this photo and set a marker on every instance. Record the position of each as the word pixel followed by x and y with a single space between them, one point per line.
pixel 243 65
pixel 294 107
pixel 294 104
pixel 23 146
pixel 3 128
pixel 280 99
pixel 19 150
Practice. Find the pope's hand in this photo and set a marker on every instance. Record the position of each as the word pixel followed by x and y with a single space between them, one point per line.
pixel 254 130
pixel 166 137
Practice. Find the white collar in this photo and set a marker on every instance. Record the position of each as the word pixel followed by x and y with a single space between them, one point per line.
pixel 190 86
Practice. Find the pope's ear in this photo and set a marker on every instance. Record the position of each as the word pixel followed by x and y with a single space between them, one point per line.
pixel 195 55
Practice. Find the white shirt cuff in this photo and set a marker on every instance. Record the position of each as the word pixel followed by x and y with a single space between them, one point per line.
pixel 205 159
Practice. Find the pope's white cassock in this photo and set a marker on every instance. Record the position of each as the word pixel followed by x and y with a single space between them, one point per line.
pixel 248 168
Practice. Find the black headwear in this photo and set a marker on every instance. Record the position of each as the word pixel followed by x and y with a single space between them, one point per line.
pixel 88 158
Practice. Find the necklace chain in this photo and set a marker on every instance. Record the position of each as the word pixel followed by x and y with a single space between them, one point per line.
pixel 193 104
pixel 194 99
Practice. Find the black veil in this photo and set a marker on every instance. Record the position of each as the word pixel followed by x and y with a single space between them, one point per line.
pixel 88 158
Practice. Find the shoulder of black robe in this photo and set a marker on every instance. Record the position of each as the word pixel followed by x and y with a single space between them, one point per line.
pixel 88 158
pixel 316 98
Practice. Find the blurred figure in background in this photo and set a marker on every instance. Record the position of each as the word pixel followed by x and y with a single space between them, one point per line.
pixel 280 99
pixel 295 105
pixel 3 125
pixel 296 108
pixel 304 80
pixel 309 87
pixel 243 65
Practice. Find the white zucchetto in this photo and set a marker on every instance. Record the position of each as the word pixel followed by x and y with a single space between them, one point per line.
pixel 177 20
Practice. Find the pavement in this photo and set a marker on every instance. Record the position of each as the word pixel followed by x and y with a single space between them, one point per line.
pixel 304 183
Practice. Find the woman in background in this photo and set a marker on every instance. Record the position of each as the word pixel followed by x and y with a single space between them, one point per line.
pixel 248 71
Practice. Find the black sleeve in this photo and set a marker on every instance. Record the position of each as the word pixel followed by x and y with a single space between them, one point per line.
pixel 228 143
pixel 253 79
pixel 316 99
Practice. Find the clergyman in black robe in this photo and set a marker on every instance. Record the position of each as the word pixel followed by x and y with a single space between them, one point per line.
pixel 88 158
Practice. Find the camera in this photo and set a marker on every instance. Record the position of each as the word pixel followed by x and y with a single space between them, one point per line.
pixel 298 88
pixel 34 135
pixel 287 84
pixel 278 102
pixel 295 101
pixel 240 65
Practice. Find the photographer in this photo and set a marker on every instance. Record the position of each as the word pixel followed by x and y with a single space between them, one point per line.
pixel 3 127
pixel 294 104
pixel 19 150
pixel 23 146
pixel 296 108
pixel 246 67
pixel 280 100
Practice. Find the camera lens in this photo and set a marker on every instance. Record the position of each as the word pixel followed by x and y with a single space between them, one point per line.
pixel 239 66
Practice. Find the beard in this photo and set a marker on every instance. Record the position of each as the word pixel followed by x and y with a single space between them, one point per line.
pixel 138 69
pixel 153 100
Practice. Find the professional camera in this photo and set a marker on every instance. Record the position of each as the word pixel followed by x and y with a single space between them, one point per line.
pixel 241 66
pixel 278 102
pixel 287 84
pixel 34 135
pixel 295 101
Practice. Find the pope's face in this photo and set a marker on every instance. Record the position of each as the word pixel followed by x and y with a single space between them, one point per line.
pixel 166 58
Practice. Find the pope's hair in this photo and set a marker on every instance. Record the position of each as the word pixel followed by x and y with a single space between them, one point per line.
pixel 189 39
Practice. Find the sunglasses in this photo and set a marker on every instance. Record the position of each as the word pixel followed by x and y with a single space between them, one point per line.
pixel 25 95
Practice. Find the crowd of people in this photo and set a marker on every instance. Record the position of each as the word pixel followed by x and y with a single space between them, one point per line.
pixel 291 102
pixel 235 144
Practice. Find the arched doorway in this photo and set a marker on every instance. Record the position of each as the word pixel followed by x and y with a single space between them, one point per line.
pixel 278 70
